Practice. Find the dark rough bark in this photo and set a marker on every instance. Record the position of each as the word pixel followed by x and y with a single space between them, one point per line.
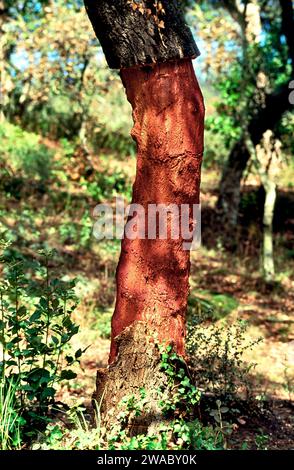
pixel 269 115
pixel 129 38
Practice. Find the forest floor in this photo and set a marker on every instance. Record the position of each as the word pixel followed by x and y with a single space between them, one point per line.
pixel 233 285
pixel 59 216
pixel 269 317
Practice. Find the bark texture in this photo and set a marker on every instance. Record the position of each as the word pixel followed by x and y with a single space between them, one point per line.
pixel 130 37
pixel 152 275
pixel 137 367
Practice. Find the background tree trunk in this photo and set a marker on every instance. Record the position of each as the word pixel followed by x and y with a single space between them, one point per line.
pixel 268 245
pixel 267 161
pixel 230 191
pixel 266 117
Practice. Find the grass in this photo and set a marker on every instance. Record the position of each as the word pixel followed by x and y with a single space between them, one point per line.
pixel 10 421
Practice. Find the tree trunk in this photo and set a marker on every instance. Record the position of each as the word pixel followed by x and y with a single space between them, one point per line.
pixel 137 367
pixel 229 192
pixel 137 37
pixel 152 275
pixel 266 157
pixel 268 246
pixel 153 48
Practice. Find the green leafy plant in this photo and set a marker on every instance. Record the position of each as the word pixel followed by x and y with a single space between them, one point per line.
pixel 261 441
pixel 180 396
pixel 178 401
pixel 107 185
pixel 216 352
pixel 103 323
pixel 82 432
pixel 224 428
pixel 35 332
pixel 210 305
pixel 179 428
pixel 288 381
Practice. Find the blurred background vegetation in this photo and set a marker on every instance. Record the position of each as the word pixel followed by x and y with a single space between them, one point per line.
pixel 65 146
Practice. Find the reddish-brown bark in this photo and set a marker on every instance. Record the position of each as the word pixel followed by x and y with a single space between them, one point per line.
pixel 153 275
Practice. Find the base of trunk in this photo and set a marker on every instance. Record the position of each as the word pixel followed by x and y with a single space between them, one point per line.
pixel 137 367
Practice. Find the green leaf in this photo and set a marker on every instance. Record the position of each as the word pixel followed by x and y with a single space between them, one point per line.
pixel 55 304
pixel 43 302
pixel 11 363
pixel 224 409
pixel 69 359
pixel 22 311
pixel 35 316
pixel 55 340
pixel 48 392
pixel 67 375
pixel 37 374
pixel 78 353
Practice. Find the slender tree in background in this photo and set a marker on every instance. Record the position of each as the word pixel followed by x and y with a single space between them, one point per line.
pixel 266 159
pixel 151 45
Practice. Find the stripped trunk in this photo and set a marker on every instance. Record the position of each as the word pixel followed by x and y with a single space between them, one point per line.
pixel 153 274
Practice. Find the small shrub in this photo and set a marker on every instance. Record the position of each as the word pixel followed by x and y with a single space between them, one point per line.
pixel 178 401
pixel 180 396
pixel 35 333
pixel 179 429
pixel 216 351
pixel 107 185
pixel 210 305
pixel 261 441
